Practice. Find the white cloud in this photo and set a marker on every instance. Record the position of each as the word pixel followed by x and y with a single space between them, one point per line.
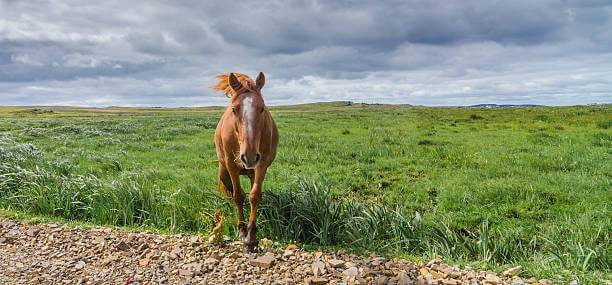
pixel 25 59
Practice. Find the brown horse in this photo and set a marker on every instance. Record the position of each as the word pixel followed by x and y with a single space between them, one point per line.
pixel 246 139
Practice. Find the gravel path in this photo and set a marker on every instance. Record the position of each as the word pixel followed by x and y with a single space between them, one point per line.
pixel 54 254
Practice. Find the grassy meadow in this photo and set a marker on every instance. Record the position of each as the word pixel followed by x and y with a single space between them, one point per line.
pixel 488 188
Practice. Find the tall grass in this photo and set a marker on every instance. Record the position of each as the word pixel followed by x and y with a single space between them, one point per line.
pixel 309 213
pixel 30 183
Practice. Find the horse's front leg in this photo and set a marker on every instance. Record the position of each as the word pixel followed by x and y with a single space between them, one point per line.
pixel 238 198
pixel 251 242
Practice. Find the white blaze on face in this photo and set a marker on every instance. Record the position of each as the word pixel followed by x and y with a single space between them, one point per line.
pixel 248 115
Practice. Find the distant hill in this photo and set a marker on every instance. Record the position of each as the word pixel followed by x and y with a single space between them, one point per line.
pixel 504 105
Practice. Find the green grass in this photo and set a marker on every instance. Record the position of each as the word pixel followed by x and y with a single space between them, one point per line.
pixel 485 187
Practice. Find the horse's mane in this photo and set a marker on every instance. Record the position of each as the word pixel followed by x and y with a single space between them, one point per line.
pixel 223 84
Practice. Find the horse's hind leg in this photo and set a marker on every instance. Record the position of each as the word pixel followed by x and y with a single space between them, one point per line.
pixel 252 178
pixel 224 184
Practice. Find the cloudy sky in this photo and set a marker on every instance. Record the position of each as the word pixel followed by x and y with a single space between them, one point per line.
pixel 166 53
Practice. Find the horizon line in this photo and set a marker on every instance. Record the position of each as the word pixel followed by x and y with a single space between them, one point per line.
pixel 348 102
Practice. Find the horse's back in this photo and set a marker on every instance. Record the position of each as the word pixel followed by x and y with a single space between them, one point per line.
pixel 219 138
pixel 273 142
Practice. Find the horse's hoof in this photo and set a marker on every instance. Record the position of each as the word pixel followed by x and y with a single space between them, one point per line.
pixel 249 248
pixel 242 235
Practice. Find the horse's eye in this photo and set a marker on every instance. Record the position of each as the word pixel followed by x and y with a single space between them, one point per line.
pixel 235 110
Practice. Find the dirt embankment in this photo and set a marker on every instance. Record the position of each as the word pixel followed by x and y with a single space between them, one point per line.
pixel 54 254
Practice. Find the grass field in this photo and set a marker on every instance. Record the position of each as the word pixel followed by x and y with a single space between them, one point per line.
pixel 487 188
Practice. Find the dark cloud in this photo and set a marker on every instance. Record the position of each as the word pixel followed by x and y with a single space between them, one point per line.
pixel 383 27
pixel 425 52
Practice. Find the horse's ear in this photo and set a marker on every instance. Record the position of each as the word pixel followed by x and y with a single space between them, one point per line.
pixel 260 81
pixel 234 83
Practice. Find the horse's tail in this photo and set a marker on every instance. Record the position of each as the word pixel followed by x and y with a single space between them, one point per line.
pixel 223 83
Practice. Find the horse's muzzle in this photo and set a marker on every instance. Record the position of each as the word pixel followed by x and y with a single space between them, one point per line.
pixel 250 163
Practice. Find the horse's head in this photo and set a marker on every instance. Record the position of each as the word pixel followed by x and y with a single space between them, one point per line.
pixel 248 109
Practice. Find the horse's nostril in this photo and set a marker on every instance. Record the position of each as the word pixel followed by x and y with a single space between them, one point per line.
pixel 243 158
pixel 257 157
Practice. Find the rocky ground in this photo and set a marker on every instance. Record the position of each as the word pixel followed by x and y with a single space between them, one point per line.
pixel 54 254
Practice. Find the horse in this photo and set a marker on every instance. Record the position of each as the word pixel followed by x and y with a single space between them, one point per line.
pixel 246 139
